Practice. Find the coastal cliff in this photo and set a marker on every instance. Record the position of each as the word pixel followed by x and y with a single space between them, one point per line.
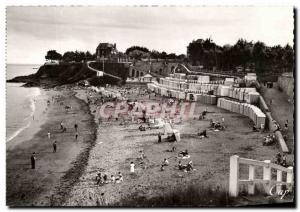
pixel 64 73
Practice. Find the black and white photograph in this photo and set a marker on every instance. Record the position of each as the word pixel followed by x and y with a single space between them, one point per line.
pixel 150 106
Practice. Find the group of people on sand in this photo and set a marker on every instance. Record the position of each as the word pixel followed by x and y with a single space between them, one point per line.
pixel 216 125
pixel 33 157
pixel 183 167
pixel 269 140
pixel 281 159
pixel 103 178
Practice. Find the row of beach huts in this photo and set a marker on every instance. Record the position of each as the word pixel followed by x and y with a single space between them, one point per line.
pixel 223 94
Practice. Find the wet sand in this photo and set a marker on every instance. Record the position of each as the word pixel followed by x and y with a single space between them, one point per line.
pixel 55 173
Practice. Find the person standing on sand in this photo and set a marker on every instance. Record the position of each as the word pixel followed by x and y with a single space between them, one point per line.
pixel 286 125
pixel 76 126
pixel 54 147
pixel 76 136
pixel 61 125
pixel 33 158
pixel 49 135
pixel 159 137
pixel 132 167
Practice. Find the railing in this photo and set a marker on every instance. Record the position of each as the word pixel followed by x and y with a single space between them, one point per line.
pixel 234 174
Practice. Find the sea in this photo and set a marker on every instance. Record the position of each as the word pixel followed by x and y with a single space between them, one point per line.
pixel 20 101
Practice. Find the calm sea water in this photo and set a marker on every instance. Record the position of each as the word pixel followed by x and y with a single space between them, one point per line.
pixel 20 105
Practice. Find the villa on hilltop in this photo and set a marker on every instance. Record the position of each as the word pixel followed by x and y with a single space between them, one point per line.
pixel 106 51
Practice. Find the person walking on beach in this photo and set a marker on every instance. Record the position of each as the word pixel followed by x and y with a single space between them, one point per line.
pixel 132 167
pixel 76 136
pixel 286 125
pixel 49 135
pixel 54 147
pixel 76 126
pixel 33 158
pixel 159 137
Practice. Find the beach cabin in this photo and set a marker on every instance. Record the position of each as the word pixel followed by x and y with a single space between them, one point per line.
pixel 100 73
pixel 147 78
pixel 251 77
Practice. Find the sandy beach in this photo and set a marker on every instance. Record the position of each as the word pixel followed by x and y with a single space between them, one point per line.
pixel 54 174
pixel 67 177
pixel 117 145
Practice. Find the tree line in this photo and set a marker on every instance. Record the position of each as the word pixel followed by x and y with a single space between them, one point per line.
pixel 140 52
pixel 69 56
pixel 244 54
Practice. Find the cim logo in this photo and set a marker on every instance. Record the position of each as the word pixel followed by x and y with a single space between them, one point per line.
pixel 282 193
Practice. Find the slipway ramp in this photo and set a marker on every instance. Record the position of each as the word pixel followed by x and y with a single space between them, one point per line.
pixel 204 73
pixel 104 73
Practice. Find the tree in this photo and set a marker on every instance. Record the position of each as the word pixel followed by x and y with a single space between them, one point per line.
pixel 68 56
pixel 138 54
pixel 139 48
pixel 163 55
pixel 243 50
pixel 259 56
pixel 89 56
pixel 155 54
pixel 171 56
pixel 53 55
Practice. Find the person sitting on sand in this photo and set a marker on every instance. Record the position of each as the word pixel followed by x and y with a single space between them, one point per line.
pixel 217 125
pixel 172 138
pixel 183 153
pixel 204 114
pixel 189 166
pixel 99 179
pixel 212 123
pixel 283 162
pixel 277 127
pixel 203 134
pixel 142 128
pixel 278 158
pixel 119 178
pixel 142 154
pixel 180 166
pixel 165 162
pixel 112 179
pixel 105 178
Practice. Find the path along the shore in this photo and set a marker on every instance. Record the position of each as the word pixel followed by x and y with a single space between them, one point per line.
pixel 281 110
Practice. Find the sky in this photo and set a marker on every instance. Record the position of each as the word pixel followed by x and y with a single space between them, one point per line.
pixel 32 31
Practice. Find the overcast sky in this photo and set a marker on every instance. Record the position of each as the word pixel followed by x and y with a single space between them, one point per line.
pixel 32 31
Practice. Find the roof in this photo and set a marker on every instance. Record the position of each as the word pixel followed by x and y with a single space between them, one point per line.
pixel 105 45
pixel 148 75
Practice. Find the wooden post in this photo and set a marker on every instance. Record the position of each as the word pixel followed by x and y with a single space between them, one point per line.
pixel 251 186
pixel 267 175
pixel 279 180
pixel 234 176
pixel 290 177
